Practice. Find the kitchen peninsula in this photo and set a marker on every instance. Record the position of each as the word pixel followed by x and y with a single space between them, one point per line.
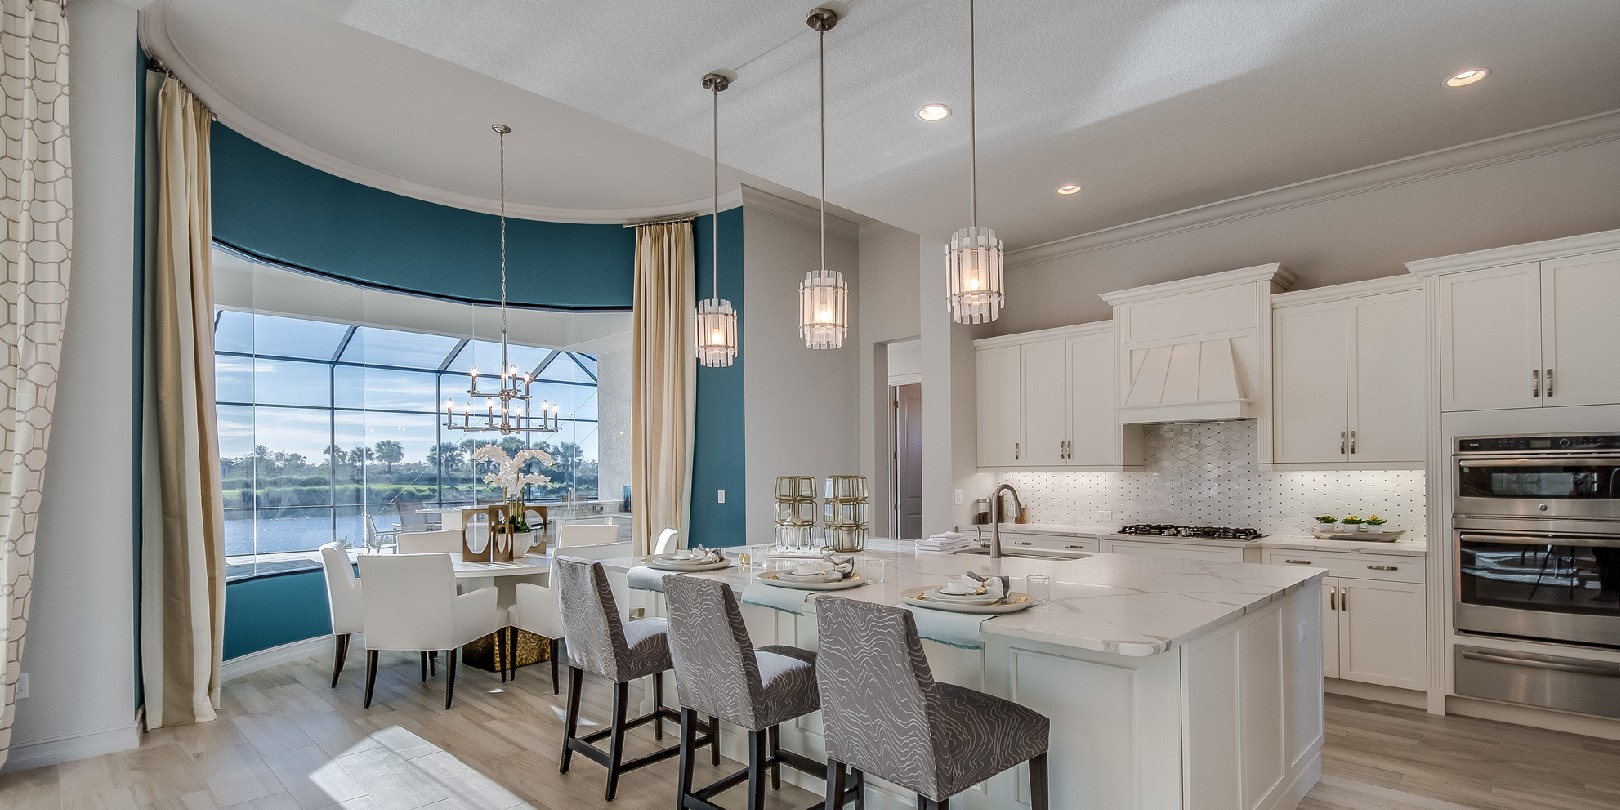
pixel 1170 683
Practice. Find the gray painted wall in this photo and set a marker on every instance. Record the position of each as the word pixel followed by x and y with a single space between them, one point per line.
pixel 888 311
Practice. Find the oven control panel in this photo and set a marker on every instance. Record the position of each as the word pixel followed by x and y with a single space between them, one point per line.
pixel 1508 444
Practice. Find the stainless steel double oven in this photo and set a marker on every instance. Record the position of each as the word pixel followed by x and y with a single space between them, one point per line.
pixel 1537 530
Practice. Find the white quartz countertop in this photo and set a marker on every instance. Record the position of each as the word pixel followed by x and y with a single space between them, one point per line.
pixel 1111 603
pixel 1302 540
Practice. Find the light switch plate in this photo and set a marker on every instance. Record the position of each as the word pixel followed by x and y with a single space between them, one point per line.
pixel 720 496
pixel 22 686
pixel 958 497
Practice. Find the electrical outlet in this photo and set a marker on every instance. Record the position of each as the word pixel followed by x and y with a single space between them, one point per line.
pixel 720 496
pixel 22 686
pixel 959 497
pixel 1299 635
pixel 1103 516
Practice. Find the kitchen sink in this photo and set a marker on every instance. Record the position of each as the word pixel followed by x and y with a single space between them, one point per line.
pixel 1033 555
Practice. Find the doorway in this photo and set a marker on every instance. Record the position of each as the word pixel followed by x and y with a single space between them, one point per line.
pixel 907 444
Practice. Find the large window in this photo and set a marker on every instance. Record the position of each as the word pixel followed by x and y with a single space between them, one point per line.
pixel 333 430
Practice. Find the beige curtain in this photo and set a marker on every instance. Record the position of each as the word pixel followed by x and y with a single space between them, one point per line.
pixel 664 387
pixel 36 246
pixel 183 531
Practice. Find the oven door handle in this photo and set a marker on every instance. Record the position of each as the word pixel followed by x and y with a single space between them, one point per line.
pixel 1594 668
pixel 1593 541
pixel 1551 459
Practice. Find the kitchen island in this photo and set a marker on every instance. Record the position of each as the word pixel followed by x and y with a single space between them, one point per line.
pixel 1170 683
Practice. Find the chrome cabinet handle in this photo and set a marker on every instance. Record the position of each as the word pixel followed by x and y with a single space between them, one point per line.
pixel 1023 542
pixel 1297 562
pixel 1383 568
pixel 1535 382
pixel 1352 442
pixel 1344 599
pixel 1016 450
pixel 1341 442
pixel 1075 545
pixel 1333 597
pixel 1549 382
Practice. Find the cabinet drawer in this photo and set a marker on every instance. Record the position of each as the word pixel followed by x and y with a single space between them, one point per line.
pixel 1354 566
pixel 1048 542
pixel 1148 548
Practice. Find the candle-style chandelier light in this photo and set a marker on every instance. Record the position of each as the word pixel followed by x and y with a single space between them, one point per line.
pixel 974 291
pixel 508 409
pixel 823 295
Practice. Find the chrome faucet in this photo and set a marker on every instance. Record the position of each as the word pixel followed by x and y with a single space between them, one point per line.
pixel 996 516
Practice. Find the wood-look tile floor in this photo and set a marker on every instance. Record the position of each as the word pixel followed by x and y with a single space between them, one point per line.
pixel 286 740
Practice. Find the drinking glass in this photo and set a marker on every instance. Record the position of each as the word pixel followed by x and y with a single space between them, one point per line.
pixel 1039 588
pixel 876 570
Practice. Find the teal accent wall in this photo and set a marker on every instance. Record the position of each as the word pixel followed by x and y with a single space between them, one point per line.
pixel 272 611
pixel 272 206
pixel 718 460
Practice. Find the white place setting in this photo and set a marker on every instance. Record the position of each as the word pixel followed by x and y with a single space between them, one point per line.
pixel 688 559
pixel 970 593
pixel 815 575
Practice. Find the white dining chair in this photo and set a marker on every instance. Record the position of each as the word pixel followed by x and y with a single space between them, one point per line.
pixel 344 602
pixel 668 540
pixel 446 541
pixel 411 606
pixel 587 534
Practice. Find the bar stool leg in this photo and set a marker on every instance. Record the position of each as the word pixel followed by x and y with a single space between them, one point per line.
pixel 714 741
pixel 835 785
pixel 1037 782
pixel 658 705
pixel 757 753
pixel 621 700
pixel 683 778
pixel 424 667
pixel 775 738
pixel 557 652
pixel 576 677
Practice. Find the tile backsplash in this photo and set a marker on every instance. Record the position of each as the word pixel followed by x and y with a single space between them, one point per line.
pixel 1207 474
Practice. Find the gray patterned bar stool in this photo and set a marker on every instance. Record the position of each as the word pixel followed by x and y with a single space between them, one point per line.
pixel 599 642
pixel 885 714
pixel 720 673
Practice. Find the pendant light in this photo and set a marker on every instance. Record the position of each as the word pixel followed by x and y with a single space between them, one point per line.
pixel 973 257
pixel 507 409
pixel 714 317
pixel 823 295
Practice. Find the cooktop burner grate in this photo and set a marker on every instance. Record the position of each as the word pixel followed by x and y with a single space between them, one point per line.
pixel 1209 532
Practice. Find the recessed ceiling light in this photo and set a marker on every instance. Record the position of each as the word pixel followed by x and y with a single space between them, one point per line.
pixel 933 112
pixel 1069 188
pixel 1467 77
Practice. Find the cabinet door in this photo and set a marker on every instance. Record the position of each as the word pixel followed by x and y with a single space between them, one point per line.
pixel 1580 330
pixel 1310 398
pixel 1001 406
pixel 1046 407
pixel 1330 628
pixel 1094 432
pixel 1381 633
pixel 1490 338
pixel 1386 378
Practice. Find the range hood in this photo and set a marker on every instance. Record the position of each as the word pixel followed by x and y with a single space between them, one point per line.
pixel 1195 350
pixel 1186 382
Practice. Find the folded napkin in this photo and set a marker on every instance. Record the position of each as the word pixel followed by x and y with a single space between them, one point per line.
pixel 787 600
pixel 949 541
pixel 644 578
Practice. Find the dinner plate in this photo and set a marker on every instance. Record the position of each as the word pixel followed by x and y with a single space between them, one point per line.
pixel 962 598
pixel 667 564
pixel 773 578
pixel 819 576
pixel 1016 601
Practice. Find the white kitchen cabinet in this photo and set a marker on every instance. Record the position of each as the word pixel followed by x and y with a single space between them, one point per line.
pixel 1048 542
pixel 1000 380
pixel 1348 380
pixel 1374 628
pixel 1151 548
pixel 1531 334
pixel 1046 403
pixel 1094 434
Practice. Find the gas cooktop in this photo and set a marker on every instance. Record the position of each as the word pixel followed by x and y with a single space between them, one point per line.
pixel 1210 532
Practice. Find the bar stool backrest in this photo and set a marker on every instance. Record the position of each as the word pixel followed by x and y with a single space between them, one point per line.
pixel 590 614
pixel 715 666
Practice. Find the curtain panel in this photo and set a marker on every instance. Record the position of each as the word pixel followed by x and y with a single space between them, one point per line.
pixel 183 523
pixel 37 206
pixel 664 386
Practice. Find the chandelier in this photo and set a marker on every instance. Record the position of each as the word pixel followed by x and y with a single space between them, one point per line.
pixel 508 409
pixel 823 295
pixel 973 257
pixel 714 319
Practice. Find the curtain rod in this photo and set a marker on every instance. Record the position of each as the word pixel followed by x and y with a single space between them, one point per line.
pixel 665 221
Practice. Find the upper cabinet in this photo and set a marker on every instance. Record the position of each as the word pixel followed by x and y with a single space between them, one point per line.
pixel 1046 399
pixel 1529 334
pixel 1348 376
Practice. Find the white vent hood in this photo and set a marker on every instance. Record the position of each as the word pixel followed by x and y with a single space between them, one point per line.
pixel 1194 350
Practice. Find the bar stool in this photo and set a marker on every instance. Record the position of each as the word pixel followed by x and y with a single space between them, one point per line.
pixel 885 714
pixel 598 641
pixel 719 673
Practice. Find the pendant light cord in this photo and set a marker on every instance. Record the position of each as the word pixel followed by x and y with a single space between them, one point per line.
pixel 821 54
pixel 973 124
pixel 714 247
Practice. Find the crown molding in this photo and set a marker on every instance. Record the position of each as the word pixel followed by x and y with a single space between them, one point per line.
pixel 1273 273
pixel 138 5
pixel 1354 289
pixel 154 35
pixel 1552 138
pixel 1055 333
pixel 794 212
pixel 875 229
pixel 1513 254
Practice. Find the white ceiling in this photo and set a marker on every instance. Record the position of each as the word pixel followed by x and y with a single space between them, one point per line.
pixel 1153 105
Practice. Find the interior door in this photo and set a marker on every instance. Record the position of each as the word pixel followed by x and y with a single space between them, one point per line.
pixel 1386 379
pixel 1311 398
pixel 1490 338
pixel 1580 330
pixel 908 461
pixel 1046 406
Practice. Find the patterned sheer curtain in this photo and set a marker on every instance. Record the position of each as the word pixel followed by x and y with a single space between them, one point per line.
pixel 664 387
pixel 37 246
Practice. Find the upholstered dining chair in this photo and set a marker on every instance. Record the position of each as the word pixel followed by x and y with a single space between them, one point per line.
pixel 720 674
pixel 883 712
pixel 411 606
pixel 668 540
pixel 445 541
pixel 538 610
pixel 344 602
pixel 601 643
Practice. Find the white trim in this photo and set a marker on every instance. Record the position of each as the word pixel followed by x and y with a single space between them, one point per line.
pixel 296 651
pixel 874 229
pixel 905 379
pixel 69 747
pixel 1513 254
pixel 1377 692
pixel 801 214
pixel 1280 276
pixel 1552 138
pixel 1019 338
pixel 1339 292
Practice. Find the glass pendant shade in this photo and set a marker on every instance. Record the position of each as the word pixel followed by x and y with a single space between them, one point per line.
pixel 823 309
pixel 716 324
pixel 973 267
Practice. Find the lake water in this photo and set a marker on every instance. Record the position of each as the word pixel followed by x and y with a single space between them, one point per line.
pixel 300 533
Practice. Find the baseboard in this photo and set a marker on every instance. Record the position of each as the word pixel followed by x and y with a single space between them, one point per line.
pixel 69 747
pixel 1585 725
pixel 296 651
pixel 1376 692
